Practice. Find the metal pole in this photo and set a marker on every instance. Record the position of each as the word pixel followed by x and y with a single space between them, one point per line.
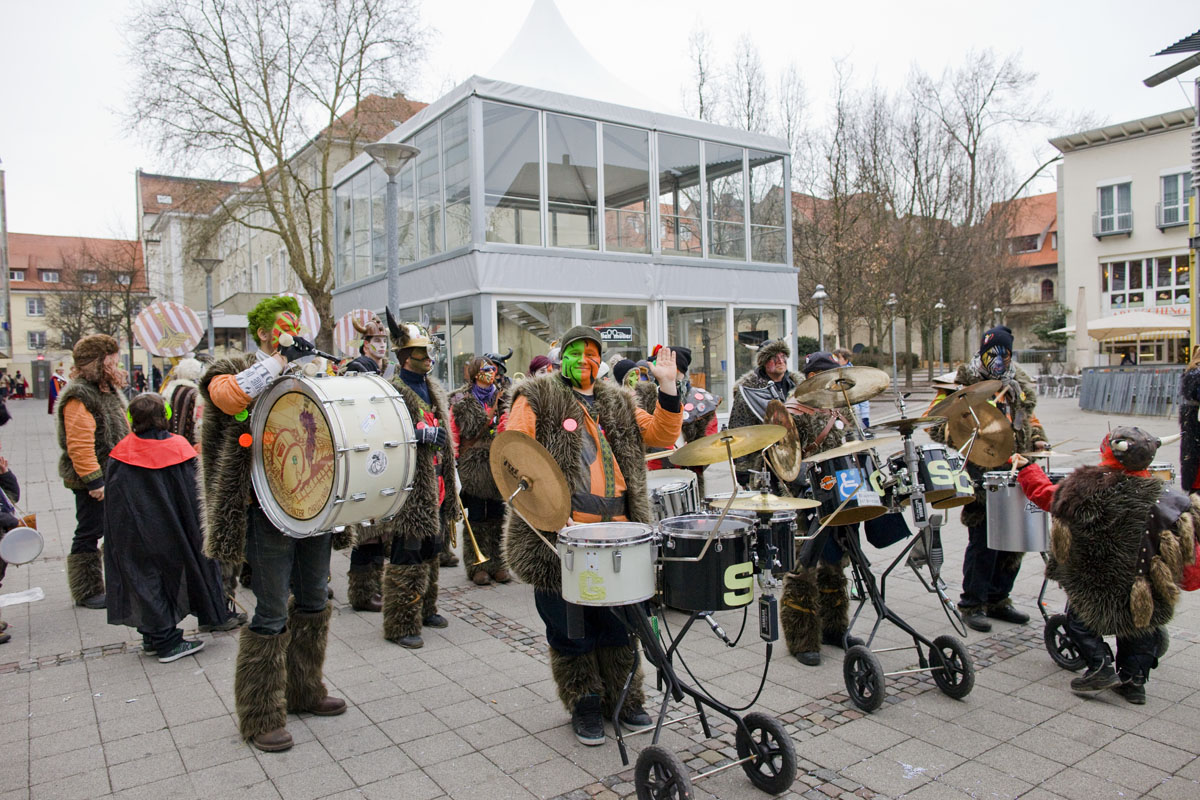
pixel 895 376
pixel 941 345
pixel 391 208
pixel 820 324
pixel 208 301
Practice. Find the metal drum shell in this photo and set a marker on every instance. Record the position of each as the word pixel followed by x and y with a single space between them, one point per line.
pixel 673 493
pixel 779 534
pixel 824 481
pixel 607 563
pixel 1164 470
pixel 1014 523
pixel 724 579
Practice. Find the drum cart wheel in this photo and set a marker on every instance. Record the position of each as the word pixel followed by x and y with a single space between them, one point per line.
pixel 660 775
pixel 1059 644
pixel 773 767
pixel 954 672
pixel 864 678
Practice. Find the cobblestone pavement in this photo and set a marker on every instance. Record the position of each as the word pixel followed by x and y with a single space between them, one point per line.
pixel 474 713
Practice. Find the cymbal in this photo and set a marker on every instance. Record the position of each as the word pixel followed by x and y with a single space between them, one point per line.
pixel 967 397
pixel 741 441
pixel 517 459
pixel 906 425
pixel 769 503
pixel 825 389
pixel 994 444
pixel 1046 454
pixel 843 450
pixel 786 455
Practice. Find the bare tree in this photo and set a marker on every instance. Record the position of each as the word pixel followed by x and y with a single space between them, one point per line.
pixel 270 88
pixel 747 99
pixel 793 109
pixel 700 99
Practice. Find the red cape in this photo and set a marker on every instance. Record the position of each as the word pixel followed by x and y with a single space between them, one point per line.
pixel 153 453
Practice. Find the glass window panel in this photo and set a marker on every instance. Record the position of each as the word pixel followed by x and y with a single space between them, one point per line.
pixel 1136 300
pixel 571 181
pixel 461 335
pixel 1104 270
pixel 1118 301
pixel 528 327
pixel 622 326
pixel 378 219
pixel 1182 271
pixel 1106 201
pixel 406 214
pixel 361 192
pixel 726 195
pixel 752 327
pixel 679 195
pixel 626 189
pixel 702 330
pixel 343 234
pixel 1135 274
pixel 429 193
pixel 1118 276
pixel 1170 187
pixel 511 176
pixel 1166 273
pixel 457 171
pixel 1163 297
pixel 767 239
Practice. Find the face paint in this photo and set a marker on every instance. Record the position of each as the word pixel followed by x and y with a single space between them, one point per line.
pixel 995 360
pixel 581 362
pixel 419 361
pixel 285 322
pixel 376 347
pixel 486 376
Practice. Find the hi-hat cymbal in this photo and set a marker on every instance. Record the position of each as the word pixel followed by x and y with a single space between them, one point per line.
pixel 994 444
pixel 906 425
pixel 842 450
pixel 741 441
pixel 967 397
pixel 842 387
pixel 769 503
pixel 518 459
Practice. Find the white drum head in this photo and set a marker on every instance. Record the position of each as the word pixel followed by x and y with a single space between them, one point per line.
pixel 21 545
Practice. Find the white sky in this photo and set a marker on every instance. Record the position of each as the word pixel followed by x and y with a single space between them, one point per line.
pixel 70 169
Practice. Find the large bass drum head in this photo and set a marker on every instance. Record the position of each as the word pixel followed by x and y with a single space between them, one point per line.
pixel 297 455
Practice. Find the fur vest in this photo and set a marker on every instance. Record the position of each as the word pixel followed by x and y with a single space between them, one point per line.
pixel 476 430
pixel 553 402
pixel 1189 426
pixel 1118 544
pixel 108 409
pixel 419 516
pixel 224 470
pixel 740 414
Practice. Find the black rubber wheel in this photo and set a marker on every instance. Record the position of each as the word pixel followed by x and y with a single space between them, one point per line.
pixel 774 767
pixel 1163 640
pixel 864 678
pixel 660 775
pixel 956 678
pixel 1059 644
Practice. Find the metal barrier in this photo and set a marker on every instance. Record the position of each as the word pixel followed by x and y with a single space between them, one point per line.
pixel 1150 391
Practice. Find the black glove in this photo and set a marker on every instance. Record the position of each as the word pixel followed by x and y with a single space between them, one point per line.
pixel 299 348
pixel 435 436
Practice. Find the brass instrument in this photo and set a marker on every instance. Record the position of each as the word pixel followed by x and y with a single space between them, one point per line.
pixel 479 556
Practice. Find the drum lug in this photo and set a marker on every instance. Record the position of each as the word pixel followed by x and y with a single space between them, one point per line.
pixel 569 559
pixel 339 528
pixel 366 523
pixel 359 448
pixel 388 492
pixel 616 560
pixel 389 445
pixel 358 497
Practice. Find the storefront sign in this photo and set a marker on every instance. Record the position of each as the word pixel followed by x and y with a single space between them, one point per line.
pixel 617 333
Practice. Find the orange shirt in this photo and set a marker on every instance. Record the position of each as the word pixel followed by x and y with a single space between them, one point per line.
pixel 80 428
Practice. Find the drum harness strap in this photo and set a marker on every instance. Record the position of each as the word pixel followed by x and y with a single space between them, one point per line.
pixel 834 417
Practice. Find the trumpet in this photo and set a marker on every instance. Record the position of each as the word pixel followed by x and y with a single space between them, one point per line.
pixel 479 556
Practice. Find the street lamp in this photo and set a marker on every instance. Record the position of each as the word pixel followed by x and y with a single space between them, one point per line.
pixel 939 307
pixel 997 315
pixel 820 295
pixel 891 306
pixel 391 157
pixel 208 265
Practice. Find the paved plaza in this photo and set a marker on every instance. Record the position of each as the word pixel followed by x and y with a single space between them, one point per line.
pixel 474 714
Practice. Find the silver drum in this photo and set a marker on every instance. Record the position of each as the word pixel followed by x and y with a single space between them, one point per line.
pixel 1014 523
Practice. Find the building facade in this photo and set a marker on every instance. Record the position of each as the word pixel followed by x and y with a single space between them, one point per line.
pixel 1032 243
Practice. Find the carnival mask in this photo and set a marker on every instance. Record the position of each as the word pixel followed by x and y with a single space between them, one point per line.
pixel 581 363
pixel 995 360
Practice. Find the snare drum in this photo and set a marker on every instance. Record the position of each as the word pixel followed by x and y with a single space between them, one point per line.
pixel 775 543
pixel 1163 470
pixel 1014 523
pixel 845 479
pixel 607 563
pixel 330 452
pixel 723 579
pixel 673 493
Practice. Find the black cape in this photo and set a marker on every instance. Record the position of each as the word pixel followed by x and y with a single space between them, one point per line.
pixel 154 564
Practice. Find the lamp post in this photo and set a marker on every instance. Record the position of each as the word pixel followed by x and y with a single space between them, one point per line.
pixel 997 315
pixel 391 158
pixel 208 265
pixel 891 306
pixel 820 295
pixel 939 307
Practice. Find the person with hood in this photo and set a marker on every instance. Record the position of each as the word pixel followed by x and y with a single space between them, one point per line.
pixel 157 571
pixel 90 417
pixel 597 436
pixel 699 406
pixel 769 380
pixel 1118 543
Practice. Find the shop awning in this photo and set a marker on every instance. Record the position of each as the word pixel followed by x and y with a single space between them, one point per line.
pixel 1133 325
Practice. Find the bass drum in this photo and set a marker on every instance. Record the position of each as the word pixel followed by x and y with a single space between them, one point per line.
pixel 331 452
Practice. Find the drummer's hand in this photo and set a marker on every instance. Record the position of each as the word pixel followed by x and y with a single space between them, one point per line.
pixel 664 371
pixel 3 465
pixel 1019 460
pixel 97 494
pixel 432 435
pixel 1041 445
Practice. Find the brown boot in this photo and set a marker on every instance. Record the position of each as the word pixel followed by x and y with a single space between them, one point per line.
pixel 305 664
pixel 273 741
pixel 363 588
pixel 259 689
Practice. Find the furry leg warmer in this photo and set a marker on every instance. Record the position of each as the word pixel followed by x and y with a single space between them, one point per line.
pixel 306 658
pixel 799 610
pixel 615 664
pixel 260 682
pixel 364 584
pixel 834 605
pixel 85 575
pixel 575 677
pixel 403 594
pixel 429 598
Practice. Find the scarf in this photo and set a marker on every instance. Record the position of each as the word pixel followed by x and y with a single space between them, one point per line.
pixel 484 396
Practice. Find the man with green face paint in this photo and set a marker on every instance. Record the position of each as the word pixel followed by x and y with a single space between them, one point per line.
pixel 598 437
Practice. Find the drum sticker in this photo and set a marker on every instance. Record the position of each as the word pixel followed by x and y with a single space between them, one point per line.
pixel 828 482
pixel 739 584
pixel 1030 508
pixel 591 582
pixel 377 463
pixel 848 481
pixel 366 426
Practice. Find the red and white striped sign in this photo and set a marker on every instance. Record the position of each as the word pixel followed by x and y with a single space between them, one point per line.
pixel 167 328
pixel 310 320
pixel 345 338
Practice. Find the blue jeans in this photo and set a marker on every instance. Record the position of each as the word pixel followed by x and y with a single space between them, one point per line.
pixel 282 565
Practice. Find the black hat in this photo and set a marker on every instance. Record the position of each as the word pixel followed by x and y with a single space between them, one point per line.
pixel 621 369
pixel 1133 447
pixel 819 362
pixel 683 357
pixel 999 336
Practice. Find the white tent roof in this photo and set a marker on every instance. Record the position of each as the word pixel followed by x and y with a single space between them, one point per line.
pixel 1132 323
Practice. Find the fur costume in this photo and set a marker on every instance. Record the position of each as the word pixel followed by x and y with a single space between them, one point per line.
pixel 1117 548
pixel 429 598
pixel 799 611
pixel 740 414
pixel 835 599
pixel 260 682
pixel 364 584
pixel 108 409
pixel 85 575
pixel 476 430
pixel 615 664
pixel 576 676
pixel 1189 426
pixel 224 471
pixel 306 658
pixel 404 588
pixel 553 401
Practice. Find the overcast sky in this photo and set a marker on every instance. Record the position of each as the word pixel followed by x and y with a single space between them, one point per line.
pixel 70 168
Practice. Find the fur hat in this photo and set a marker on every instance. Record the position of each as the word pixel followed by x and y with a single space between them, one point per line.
pixel 407 335
pixel 189 369
pixel 89 348
pixel 580 332
pixel 768 350
pixel 1132 447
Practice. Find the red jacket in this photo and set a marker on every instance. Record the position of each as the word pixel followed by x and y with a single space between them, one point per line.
pixel 1037 486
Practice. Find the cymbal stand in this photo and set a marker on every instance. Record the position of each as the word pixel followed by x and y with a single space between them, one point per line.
pixel 524 485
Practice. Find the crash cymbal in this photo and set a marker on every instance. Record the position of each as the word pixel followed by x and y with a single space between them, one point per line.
pixel 785 456
pixel 906 425
pixel 842 387
pixel 741 441
pixel 1046 454
pixel 761 503
pixel 842 450
pixel 517 459
pixel 967 397
pixel 994 444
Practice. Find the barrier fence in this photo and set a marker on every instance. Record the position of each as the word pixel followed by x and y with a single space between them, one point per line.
pixel 1151 391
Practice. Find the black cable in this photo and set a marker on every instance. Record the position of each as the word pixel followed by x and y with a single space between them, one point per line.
pixel 700 686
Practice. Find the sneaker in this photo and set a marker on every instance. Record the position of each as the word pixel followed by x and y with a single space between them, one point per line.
pixel 1096 679
pixel 634 719
pixel 147 648
pixel 1005 612
pixel 588 721
pixel 184 648
pixel 974 618
pixel 1133 692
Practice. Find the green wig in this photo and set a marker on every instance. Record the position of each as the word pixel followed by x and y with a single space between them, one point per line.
pixel 263 315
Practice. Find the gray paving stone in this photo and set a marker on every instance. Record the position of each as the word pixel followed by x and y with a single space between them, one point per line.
pixel 414 785
pixel 455 774
pixel 378 765
pixel 312 783
pixel 1152 753
pixel 144 770
pixel 81 786
pixel 433 749
pixel 304 756
pixel 979 779
pixel 1018 763
pixel 65 765
pixel 887 775
pixel 1074 784
pixel 519 753
pixel 1124 771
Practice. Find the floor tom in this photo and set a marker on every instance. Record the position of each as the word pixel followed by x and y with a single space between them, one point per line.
pixel 845 479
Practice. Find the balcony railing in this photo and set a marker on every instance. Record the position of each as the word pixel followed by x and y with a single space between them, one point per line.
pixel 1112 224
pixel 1170 216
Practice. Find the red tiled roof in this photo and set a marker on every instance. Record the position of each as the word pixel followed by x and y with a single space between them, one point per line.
pixel 32 252
pixel 186 195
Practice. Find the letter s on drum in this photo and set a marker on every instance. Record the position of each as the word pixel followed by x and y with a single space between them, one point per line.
pixel 739 584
